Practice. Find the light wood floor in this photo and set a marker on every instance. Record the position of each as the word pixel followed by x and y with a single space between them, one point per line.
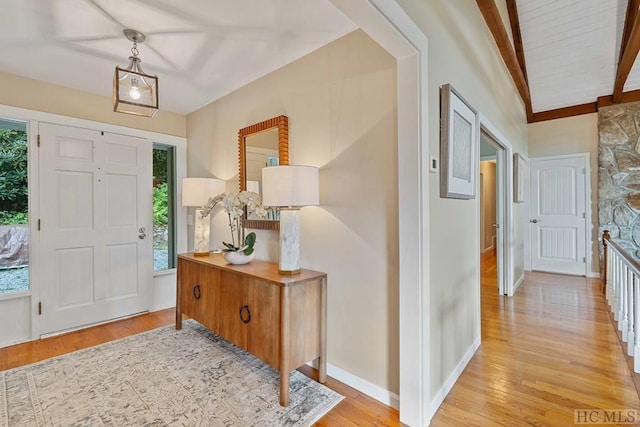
pixel 356 409
pixel 546 352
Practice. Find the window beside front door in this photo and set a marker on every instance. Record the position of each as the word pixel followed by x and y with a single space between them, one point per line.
pixel 164 253
pixel 14 207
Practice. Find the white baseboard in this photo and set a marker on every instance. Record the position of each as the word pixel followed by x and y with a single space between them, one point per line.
pixel 449 383
pixel 591 275
pixel 9 343
pixel 518 283
pixel 363 386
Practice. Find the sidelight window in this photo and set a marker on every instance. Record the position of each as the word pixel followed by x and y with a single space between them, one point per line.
pixel 164 252
pixel 14 207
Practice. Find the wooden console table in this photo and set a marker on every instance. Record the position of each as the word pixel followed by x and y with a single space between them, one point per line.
pixel 281 319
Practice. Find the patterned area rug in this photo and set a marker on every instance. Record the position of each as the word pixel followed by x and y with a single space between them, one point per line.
pixel 162 377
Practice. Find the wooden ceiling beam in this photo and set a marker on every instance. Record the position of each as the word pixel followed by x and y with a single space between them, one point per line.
pixel 630 46
pixel 514 20
pixel 629 18
pixel 493 19
pixel 560 113
pixel 588 108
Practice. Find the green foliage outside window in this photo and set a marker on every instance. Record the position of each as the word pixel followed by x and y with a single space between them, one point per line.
pixel 159 166
pixel 163 249
pixel 160 207
pixel 14 191
pixel 13 218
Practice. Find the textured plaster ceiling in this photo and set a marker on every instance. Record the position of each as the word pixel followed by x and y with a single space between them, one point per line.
pixel 200 50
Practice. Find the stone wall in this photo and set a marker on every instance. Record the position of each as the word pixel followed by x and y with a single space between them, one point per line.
pixel 619 174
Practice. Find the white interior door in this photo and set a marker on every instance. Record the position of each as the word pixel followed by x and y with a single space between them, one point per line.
pixel 558 215
pixel 96 226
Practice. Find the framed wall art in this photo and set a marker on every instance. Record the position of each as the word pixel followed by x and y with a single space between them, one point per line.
pixel 519 170
pixel 459 136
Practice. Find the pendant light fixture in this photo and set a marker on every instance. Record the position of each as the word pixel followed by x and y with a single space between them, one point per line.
pixel 135 92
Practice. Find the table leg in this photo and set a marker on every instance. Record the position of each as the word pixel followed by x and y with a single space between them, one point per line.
pixel 285 333
pixel 284 388
pixel 322 360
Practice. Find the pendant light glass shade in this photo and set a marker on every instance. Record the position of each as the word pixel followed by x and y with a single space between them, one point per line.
pixel 135 92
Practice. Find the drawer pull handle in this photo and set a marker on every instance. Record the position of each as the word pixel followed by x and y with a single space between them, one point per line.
pixel 196 292
pixel 245 318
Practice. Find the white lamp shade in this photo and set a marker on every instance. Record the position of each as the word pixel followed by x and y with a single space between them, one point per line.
pixel 196 191
pixel 290 186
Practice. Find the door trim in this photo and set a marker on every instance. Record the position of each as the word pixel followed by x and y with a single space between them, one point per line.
pixel 34 118
pixel 387 23
pixel 588 229
pixel 504 215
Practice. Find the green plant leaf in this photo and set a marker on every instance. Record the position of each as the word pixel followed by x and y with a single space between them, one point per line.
pixel 248 251
pixel 229 246
pixel 250 240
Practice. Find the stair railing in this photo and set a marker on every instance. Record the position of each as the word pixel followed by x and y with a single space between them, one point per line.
pixel 622 290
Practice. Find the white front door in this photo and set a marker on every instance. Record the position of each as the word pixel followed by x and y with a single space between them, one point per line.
pixel 558 215
pixel 96 226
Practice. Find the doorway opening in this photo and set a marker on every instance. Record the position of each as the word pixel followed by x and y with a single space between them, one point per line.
pixel 14 207
pixel 492 212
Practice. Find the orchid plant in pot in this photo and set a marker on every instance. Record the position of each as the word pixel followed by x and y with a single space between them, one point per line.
pixel 241 248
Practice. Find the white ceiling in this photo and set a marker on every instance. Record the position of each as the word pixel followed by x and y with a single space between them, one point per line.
pixel 571 50
pixel 200 50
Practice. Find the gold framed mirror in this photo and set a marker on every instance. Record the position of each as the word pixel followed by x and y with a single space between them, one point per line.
pixel 259 145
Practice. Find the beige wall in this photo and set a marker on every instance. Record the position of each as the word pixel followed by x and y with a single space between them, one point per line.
pixel 487 204
pixel 462 52
pixel 571 135
pixel 36 95
pixel 341 104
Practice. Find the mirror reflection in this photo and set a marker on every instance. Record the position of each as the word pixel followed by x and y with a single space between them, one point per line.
pixel 262 145
pixel 261 150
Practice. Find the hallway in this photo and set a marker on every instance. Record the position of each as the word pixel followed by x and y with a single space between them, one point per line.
pixel 550 350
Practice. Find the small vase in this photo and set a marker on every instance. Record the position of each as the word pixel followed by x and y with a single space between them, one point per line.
pixel 238 257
